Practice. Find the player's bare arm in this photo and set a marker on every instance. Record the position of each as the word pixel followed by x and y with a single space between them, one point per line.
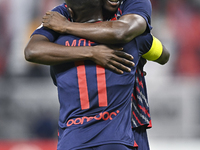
pixel 164 57
pixel 108 32
pixel 51 19
pixel 40 50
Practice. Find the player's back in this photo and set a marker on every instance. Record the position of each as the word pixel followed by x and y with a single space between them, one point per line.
pixel 94 102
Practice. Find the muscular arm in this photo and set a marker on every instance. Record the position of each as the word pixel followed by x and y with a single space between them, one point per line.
pixel 40 50
pixel 108 32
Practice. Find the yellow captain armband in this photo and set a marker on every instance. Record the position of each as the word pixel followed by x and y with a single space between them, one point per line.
pixel 156 50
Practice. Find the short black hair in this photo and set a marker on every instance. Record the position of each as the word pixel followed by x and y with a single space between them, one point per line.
pixel 84 8
pixel 82 4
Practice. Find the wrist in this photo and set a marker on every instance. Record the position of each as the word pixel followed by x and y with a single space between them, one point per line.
pixel 90 52
pixel 86 53
pixel 68 27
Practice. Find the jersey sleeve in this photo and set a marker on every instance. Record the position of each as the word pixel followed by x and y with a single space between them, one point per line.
pixel 155 51
pixel 50 34
pixel 150 47
pixel 140 7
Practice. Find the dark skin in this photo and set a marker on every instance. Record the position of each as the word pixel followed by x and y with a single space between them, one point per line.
pixel 107 32
pixel 48 53
pixel 36 49
pixel 110 8
pixel 164 58
pixel 40 50
pixel 76 6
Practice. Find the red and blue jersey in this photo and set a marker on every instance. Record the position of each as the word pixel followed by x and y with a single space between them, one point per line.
pixel 140 104
pixel 140 7
pixel 95 103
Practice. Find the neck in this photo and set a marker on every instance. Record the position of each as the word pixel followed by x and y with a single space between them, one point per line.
pixel 88 15
pixel 107 15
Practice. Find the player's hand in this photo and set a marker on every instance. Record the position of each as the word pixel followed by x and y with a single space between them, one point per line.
pixel 55 21
pixel 113 59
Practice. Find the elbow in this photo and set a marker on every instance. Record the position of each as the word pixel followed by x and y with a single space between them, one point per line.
pixel 129 33
pixel 126 35
pixel 29 54
pixel 165 59
pixel 130 27
pixel 122 37
pixel 125 38
pixel 123 34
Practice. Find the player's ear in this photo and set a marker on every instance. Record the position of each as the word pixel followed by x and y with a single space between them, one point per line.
pixel 71 13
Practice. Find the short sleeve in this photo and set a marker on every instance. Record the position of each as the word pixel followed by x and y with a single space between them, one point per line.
pixel 150 47
pixel 140 7
pixel 155 52
pixel 144 43
pixel 50 34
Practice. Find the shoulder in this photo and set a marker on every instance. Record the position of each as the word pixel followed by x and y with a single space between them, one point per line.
pixel 50 34
pixel 145 4
pixel 139 7
pixel 62 9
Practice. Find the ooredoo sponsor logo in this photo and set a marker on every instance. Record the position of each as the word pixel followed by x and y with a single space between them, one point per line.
pixel 101 116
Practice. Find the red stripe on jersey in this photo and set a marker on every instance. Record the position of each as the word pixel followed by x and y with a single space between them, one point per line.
pixel 135 144
pixel 142 73
pixel 140 83
pixel 144 110
pixel 150 124
pixel 82 82
pixel 120 11
pixel 136 118
pixel 101 85
pixel 134 97
pixel 137 88
pixel 115 18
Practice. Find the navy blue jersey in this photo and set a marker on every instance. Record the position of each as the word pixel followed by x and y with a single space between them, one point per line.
pixel 50 34
pixel 140 104
pixel 140 7
pixel 95 103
